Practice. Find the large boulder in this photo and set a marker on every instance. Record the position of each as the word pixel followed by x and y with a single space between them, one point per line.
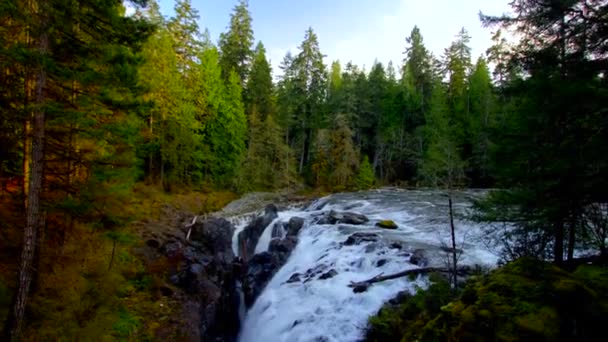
pixel 294 226
pixel 361 237
pixel 213 237
pixel 250 236
pixel 263 266
pixel 205 271
pixel 387 224
pixel 334 217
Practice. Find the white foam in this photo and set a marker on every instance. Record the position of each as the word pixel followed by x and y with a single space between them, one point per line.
pixel 328 309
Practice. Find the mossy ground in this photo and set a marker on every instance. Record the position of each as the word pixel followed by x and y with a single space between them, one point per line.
pixel 526 300
pixel 78 296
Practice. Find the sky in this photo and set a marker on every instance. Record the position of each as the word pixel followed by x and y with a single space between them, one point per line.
pixel 360 31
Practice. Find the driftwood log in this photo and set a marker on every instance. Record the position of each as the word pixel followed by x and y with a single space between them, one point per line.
pixel 362 286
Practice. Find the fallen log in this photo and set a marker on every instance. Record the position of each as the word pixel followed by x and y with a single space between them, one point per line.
pixel 362 286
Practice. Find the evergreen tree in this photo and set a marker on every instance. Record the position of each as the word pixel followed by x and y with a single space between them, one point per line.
pixel 236 44
pixel 457 63
pixel 481 122
pixel 186 37
pixel 80 79
pixel 365 177
pixel 550 154
pixel 308 91
pixel 259 91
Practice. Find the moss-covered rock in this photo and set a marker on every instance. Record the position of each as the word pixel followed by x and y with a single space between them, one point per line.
pixel 524 300
pixel 387 224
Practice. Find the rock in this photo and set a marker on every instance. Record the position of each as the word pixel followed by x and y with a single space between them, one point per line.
pixel 329 274
pixel 396 245
pixel 207 276
pixel 283 246
pixel 359 237
pixel 153 243
pixel 353 218
pixel 263 266
pixel 278 230
pixel 173 250
pixel 214 237
pixel 250 236
pixel 294 226
pixel 419 258
pixel 294 278
pixel 334 217
pixel 386 224
pixel 381 262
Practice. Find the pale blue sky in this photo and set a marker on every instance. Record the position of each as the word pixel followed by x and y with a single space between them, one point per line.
pixel 357 30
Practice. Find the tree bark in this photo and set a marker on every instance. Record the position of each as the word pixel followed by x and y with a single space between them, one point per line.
pixel 361 286
pixel 33 210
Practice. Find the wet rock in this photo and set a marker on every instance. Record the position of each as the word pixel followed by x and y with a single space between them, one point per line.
pixel 294 278
pixel 419 258
pixel 283 246
pixel 250 236
pixel 329 274
pixel 360 237
pixel 206 274
pixel 334 217
pixel 396 245
pixel 263 266
pixel 381 262
pixel 294 226
pixel 387 224
pixel 353 218
pixel 278 230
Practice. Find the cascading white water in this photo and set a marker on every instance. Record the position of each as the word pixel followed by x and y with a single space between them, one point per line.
pixel 308 299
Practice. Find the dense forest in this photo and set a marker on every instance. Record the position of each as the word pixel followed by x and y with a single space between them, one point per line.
pixel 95 102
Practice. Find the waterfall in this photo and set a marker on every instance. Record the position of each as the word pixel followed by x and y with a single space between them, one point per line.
pixel 308 299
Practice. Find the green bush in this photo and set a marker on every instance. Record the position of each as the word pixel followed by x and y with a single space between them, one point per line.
pixel 524 300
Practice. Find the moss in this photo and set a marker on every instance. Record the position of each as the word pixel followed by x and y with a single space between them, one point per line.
pixel 387 224
pixel 524 300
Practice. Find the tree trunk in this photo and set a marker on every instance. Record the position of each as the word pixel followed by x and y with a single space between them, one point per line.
pixel 453 233
pixel 571 239
pixel 33 211
pixel 558 248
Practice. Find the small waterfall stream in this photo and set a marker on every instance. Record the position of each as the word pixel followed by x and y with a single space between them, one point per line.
pixel 308 299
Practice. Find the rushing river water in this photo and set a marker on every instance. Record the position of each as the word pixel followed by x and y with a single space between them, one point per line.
pixel 321 308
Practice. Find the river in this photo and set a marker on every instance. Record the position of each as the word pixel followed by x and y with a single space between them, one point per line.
pixel 320 306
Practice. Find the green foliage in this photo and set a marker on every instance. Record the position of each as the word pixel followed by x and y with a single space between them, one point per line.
pixel 524 300
pixel 236 44
pixel 127 324
pixel 365 177
pixel 403 322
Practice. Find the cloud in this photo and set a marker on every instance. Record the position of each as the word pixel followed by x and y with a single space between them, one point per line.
pixel 383 36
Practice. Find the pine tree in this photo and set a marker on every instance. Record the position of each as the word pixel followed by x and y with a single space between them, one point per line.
pixel 259 91
pixel 82 93
pixel 457 64
pixel 365 177
pixel 481 121
pixel 186 37
pixel 308 91
pixel 236 44
pixel 551 152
